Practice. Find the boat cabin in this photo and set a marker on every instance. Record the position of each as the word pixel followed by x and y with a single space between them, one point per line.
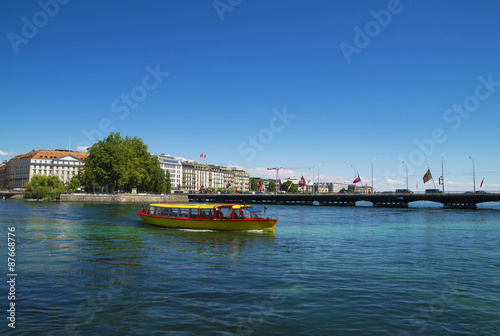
pixel 204 211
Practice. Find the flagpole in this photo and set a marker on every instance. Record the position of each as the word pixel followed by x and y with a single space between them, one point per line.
pixel 473 174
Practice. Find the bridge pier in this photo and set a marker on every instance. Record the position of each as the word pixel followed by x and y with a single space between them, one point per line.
pixel 459 205
pixel 390 204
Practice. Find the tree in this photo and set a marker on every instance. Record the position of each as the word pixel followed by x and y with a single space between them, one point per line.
pixel 253 184
pixel 168 181
pixel 272 186
pixel 73 184
pixel 118 162
pixel 289 186
pixel 155 177
pixel 106 163
pixel 44 187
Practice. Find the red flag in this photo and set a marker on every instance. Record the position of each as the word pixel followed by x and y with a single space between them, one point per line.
pixel 358 179
pixel 201 155
pixel 259 186
pixel 302 181
pixel 482 183
pixel 205 156
pixel 427 176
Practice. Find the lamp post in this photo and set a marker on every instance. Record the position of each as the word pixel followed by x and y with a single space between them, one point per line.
pixel 406 174
pixel 372 172
pixel 442 169
pixel 473 174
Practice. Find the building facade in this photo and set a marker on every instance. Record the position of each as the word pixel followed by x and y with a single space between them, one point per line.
pixel 3 167
pixel 198 177
pixel 61 163
pixel 174 166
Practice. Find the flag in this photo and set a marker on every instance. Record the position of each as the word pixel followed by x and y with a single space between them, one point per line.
pixel 201 155
pixel 358 179
pixel 427 176
pixel 228 185
pixel 236 188
pixel 482 183
pixel 302 181
pixel 205 156
pixel 259 186
pixel 417 185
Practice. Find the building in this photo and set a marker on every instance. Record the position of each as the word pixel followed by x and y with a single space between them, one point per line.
pixel 174 166
pixel 61 163
pixel 197 176
pixel 3 167
pixel 335 187
pixel 366 189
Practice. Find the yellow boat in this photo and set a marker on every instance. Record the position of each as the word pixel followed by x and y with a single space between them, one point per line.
pixel 228 217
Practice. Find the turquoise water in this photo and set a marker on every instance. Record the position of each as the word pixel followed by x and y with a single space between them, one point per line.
pixel 86 269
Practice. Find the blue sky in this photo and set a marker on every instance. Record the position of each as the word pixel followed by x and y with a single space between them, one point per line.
pixel 328 84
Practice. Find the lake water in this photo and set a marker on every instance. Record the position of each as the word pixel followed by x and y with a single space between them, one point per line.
pixel 97 269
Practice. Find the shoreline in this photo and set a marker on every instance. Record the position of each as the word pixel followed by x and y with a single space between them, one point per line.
pixel 108 198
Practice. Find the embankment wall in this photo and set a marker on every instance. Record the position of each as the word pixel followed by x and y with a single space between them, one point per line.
pixel 107 198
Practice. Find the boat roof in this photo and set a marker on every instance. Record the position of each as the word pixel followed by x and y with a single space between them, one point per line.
pixel 195 206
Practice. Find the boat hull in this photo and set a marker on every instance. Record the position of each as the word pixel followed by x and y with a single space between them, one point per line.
pixel 247 224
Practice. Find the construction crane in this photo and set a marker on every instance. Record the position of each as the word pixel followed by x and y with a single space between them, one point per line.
pixel 278 173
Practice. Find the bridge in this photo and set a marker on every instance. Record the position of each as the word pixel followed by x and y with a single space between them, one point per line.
pixel 388 200
pixel 8 194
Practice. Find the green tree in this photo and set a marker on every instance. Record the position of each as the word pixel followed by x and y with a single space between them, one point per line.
pixel 106 163
pixel 168 181
pixel 73 184
pixel 155 177
pixel 253 184
pixel 289 186
pixel 44 187
pixel 118 162
pixel 272 186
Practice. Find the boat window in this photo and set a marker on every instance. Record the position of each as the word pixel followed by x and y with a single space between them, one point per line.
pixel 174 212
pixel 206 213
pixel 157 211
pixel 237 214
pixel 184 213
pixel 249 212
pixel 151 210
pixel 193 213
pixel 165 212
pixel 226 212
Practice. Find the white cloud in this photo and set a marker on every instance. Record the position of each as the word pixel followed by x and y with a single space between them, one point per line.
pixel 82 148
pixel 2 153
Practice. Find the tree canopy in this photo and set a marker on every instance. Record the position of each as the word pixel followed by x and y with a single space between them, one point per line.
pixel 289 186
pixel 44 187
pixel 272 186
pixel 253 184
pixel 117 162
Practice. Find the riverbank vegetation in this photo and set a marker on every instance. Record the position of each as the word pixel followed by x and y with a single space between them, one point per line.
pixel 44 187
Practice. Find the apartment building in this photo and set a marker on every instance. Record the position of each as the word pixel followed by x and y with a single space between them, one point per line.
pixel 61 163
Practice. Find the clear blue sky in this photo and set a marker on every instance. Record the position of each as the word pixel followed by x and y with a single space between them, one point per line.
pixel 329 84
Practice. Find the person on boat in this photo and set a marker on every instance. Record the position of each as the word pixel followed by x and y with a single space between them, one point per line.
pixel 218 214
